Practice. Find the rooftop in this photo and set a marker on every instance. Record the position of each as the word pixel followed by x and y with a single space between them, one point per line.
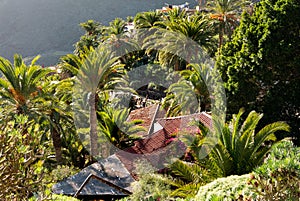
pixel 111 177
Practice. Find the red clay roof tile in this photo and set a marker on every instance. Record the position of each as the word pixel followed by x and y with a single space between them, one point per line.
pixel 145 114
pixel 152 148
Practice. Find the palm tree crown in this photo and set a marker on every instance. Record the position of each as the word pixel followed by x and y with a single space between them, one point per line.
pixel 21 83
pixel 241 147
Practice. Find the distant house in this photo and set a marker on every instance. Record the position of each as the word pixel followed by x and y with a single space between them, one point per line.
pixel 110 178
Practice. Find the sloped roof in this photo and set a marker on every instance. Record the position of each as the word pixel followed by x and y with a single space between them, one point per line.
pixel 117 172
pixel 183 123
pixel 155 148
pixel 115 180
pixel 150 149
pixel 146 114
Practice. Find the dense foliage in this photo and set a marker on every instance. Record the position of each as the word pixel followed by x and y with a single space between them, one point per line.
pixel 226 189
pixel 25 168
pixel 278 177
pixel 50 118
pixel 260 65
pixel 22 159
pixel 240 148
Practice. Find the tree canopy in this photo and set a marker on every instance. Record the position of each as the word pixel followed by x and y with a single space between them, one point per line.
pixel 260 65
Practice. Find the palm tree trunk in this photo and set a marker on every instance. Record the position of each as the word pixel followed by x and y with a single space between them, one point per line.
pixel 221 34
pixel 57 144
pixel 55 135
pixel 220 38
pixel 93 125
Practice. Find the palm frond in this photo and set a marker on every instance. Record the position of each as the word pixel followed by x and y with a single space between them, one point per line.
pixel 186 191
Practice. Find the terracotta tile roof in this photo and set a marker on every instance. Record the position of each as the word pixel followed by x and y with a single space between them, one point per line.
pixel 141 149
pixel 155 148
pixel 183 123
pixel 145 114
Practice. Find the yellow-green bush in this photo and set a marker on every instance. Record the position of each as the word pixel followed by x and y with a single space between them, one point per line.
pixel 226 189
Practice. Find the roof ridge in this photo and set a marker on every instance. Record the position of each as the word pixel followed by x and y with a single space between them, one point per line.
pixel 182 116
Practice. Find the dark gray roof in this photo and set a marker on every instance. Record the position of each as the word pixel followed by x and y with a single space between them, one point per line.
pixel 108 177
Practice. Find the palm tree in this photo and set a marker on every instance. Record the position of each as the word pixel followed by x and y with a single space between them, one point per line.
pixel 28 90
pixel 182 40
pixel 241 146
pixel 190 92
pixel 115 127
pixel 97 73
pixel 119 40
pixel 94 33
pixel 196 27
pixel 147 19
pixel 21 84
pixel 116 27
pixel 56 110
pixel 226 14
pixel 70 64
pixel 176 14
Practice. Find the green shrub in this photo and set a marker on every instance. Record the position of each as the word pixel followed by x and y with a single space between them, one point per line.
pixel 22 157
pixel 53 176
pixel 227 188
pixel 25 173
pixel 278 177
pixel 150 186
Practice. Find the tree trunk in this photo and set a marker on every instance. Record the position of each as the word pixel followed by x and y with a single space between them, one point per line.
pixel 220 38
pixel 57 144
pixel 93 125
pixel 56 139
pixel 221 34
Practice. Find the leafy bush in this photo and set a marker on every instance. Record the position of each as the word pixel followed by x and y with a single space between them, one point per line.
pixel 227 188
pixel 22 157
pixel 278 177
pixel 58 173
pixel 151 186
pixel 25 172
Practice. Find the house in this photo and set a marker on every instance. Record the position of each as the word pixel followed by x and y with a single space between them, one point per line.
pixel 110 178
pixel 107 179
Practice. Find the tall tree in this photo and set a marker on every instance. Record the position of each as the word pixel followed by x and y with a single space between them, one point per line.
pixel 260 66
pixel 31 90
pixel 226 15
pixel 180 41
pixel 94 33
pixel 56 111
pixel 116 27
pixel 97 73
